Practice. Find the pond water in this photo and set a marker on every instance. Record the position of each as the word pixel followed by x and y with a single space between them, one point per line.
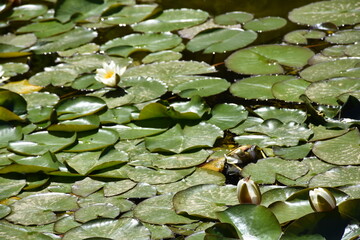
pixel 124 119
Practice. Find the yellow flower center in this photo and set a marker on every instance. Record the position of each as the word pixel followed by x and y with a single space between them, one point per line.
pixel 109 74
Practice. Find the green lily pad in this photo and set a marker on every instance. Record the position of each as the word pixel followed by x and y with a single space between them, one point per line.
pixel 160 210
pixel 118 115
pixel 13 102
pixel 285 115
pixel 98 210
pixel 77 125
pixel 231 18
pixel 272 167
pixel 77 107
pixel 205 200
pixel 124 228
pixel 149 42
pixel 322 133
pixel 268 59
pixel 27 12
pixel 40 114
pixel 141 190
pixel 226 116
pixel 203 87
pixel 224 231
pixel 132 131
pixel 4 210
pixel 172 19
pixel 289 89
pixel 302 36
pixel 327 91
pixel 344 37
pixel 86 187
pixel 53 77
pixel 265 24
pixel 343 150
pixel 40 99
pixel 39 208
pixel 162 56
pixel 171 73
pixel 296 152
pixel 252 221
pixel 338 176
pixel 119 187
pixel 337 68
pixel 183 160
pixel 221 40
pixel 280 193
pixel 157 176
pixel 64 41
pixel 198 177
pixel 179 139
pixel 259 87
pixel 45 163
pixel 337 12
pixel 12 69
pixel 66 223
pixel 40 142
pixel 159 231
pixel 10 187
pixel 46 29
pixel 11 231
pixel 131 14
pixel 86 162
pixel 9 133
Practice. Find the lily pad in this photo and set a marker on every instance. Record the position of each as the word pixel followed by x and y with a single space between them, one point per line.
pixel 119 187
pixel 40 142
pixel 204 87
pixel 10 187
pixel 183 160
pixel 12 101
pixel 343 150
pixel 327 91
pixel 252 221
pixel 39 208
pixel 4 210
pixel 131 14
pixel 46 29
pixel 337 68
pixel 149 42
pixel 53 77
pixel 77 125
pixel 302 36
pixel 97 210
pixel 265 24
pixel 344 37
pixel 285 115
pixel 172 19
pixel 289 89
pixel 9 133
pixel 221 40
pixel 132 131
pixel 338 176
pixel 335 11
pixel 226 116
pixel 47 99
pixel 259 87
pixel 265 170
pixel 12 69
pixel 162 56
pixel 171 73
pixel 86 187
pixel 27 12
pixel 268 59
pixel 160 210
pixel 179 139
pixel 11 231
pixel 231 18
pixel 124 228
pixel 205 200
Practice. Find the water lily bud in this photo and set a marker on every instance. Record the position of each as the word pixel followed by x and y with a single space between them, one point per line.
pixel 322 200
pixel 110 74
pixel 248 192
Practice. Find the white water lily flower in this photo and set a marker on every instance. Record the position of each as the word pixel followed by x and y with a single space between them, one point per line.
pixel 322 200
pixel 248 192
pixel 110 74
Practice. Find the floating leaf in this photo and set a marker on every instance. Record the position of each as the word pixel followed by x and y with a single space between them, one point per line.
pixel 98 210
pixel 285 115
pixel 21 87
pixel 141 190
pixel 289 89
pixel 265 24
pixel 119 187
pixel 39 208
pixel 221 40
pixel 12 101
pixel 12 69
pixel 11 231
pixel 9 133
pixel 343 150
pixel 4 210
pixel 203 87
pixel 344 37
pixel 149 42
pixel 337 68
pixel 27 12
pixel 226 116
pixel 258 87
pixel 335 11
pixel 327 91
pixel 53 77
pixel 339 176
pixel 86 186
pixel 172 19
pixel 132 131
pixel 183 160
pixel 231 18
pixel 131 14
pixel 77 125
pixel 10 187
pixel 178 140
pixel 252 221
pixel 40 142
pixel 268 59
pixel 302 36
pixel 46 29
pixel 124 228
pixel 162 56
pixel 39 99
pixel 159 210
pixel 265 170
pixel 205 200
pixel 171 73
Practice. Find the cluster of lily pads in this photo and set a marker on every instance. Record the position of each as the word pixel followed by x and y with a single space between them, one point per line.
pixel 154 154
